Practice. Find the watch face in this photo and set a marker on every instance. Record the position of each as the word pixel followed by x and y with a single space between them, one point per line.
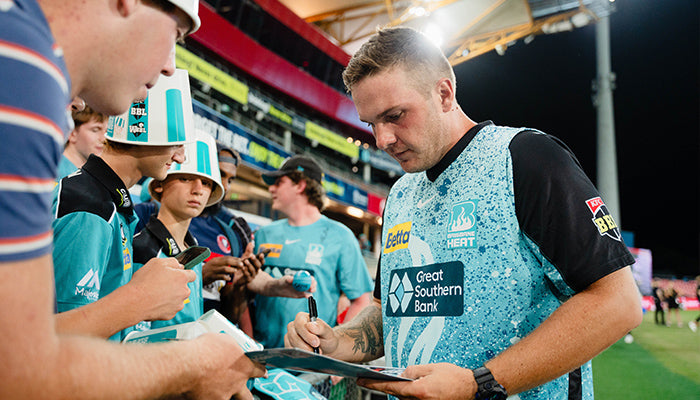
pixel 488 387
pixel 491 392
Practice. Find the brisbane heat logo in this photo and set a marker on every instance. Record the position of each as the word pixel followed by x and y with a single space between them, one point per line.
pixel 602 219
pixel 461 230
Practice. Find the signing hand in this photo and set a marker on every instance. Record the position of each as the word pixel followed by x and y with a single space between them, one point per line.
pixel 304 334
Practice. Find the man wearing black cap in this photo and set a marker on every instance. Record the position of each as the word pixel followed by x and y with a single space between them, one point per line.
pixel 307 241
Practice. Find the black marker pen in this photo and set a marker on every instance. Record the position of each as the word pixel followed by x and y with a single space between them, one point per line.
pixel 313 314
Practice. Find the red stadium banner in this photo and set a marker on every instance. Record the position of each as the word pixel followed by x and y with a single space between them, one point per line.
pixel 375 203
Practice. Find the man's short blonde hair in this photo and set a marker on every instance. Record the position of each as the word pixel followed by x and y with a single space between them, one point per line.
pixel 400 47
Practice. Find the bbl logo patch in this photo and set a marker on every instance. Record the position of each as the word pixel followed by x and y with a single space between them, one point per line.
pixel 397 238
pixel 138 129
pixel 431 290
pixel 461 231
pixel 602 219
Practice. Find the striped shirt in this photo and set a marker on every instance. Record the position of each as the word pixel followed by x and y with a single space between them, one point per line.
pixel 34 95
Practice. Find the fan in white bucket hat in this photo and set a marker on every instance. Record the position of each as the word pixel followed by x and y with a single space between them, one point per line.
pixel 201 159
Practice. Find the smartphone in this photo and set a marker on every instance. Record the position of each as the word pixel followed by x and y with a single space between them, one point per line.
pixel 265 252
pixel 193 256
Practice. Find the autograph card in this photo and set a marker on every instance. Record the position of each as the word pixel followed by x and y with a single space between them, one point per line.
pixel 302 360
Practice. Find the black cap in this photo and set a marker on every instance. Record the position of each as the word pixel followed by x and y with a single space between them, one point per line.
pixel 303 164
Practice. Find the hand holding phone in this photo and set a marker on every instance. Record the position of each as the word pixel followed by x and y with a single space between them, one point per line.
pixel 192 256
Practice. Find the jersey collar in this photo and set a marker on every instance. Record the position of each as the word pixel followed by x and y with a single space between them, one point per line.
pixel 104 174
pixel 433 172
pixel 168 244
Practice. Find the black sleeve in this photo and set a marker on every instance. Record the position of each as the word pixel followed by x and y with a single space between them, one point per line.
pixel 560 210
pixel 378 280
pixel 378 276
pixel 145 246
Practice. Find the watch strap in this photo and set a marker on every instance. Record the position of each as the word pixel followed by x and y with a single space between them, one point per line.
pixel 487 386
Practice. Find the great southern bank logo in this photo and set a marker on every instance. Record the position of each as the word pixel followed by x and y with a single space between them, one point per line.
pixel 431 290
pixel 400 292
pixel 461 230
pixel 397 238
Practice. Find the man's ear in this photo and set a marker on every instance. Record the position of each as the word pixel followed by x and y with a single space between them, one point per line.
pixel 127 7
pixel 73 136
pixel 301 186
pixel 446 92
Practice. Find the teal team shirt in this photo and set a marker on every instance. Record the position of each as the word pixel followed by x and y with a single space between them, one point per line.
pixel 92 258
pixel 93 232
pixel 460 282
pixel 65 168
pixel 329 251
pixel 155 241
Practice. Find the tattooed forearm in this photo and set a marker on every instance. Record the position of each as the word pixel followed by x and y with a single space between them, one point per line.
pixel 365 332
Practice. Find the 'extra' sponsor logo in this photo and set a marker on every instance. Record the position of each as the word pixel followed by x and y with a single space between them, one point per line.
pixel 603 220
pixel 398 237
pixel 461 230
pixel 432 290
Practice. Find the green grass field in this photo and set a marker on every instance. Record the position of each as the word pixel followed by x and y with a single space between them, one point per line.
pixel 662 363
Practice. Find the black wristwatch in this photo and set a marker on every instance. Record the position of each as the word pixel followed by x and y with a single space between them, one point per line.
pixel 487 386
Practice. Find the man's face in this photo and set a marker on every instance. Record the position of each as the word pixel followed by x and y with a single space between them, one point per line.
pixel 406 123
pixel 154 161
pixel 122 72
pixel 184 195
pixel 284 192
pixel 228 173
pixel 89 138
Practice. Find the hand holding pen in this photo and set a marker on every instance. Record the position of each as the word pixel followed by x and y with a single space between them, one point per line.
pixel 313 314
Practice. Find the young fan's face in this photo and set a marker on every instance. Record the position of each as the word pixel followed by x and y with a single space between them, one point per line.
pixel 228 174
pixel 185 195
pixel 89 138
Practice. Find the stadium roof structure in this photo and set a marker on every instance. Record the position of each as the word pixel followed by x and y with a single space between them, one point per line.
pixel 467 28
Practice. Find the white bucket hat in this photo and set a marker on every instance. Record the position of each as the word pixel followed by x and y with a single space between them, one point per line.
pixel 164 118
pixel 191 8
pixel 201 159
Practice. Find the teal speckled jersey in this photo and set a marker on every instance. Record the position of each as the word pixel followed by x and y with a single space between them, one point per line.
pixel 460 282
